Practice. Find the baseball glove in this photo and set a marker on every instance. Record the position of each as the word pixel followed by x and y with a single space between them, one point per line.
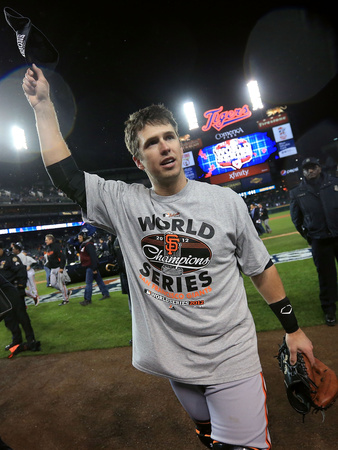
pixel 307 386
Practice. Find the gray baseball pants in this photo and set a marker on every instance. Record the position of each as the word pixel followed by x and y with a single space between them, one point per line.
pixel 237 410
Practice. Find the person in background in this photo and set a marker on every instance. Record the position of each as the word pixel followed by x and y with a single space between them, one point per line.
pixel 89 260
pixel 314 213
pixel 103 249
pixel 264 215
pixel 56 262
pixel 255 217
pixel 28 262
pixel 16 317
pixel 110 244
pixel 13 270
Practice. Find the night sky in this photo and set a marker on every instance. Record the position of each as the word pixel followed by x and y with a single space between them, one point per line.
pixel 114 61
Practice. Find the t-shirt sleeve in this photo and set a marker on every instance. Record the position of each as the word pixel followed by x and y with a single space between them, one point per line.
pixel 102 202
pixel 251 253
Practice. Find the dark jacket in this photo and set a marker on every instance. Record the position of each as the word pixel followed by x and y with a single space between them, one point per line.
pixel 12 295
pixel 255 215
pixel 264 213
pixel 13 270
pixel 55 256
pixel 88 255
pixel 314 208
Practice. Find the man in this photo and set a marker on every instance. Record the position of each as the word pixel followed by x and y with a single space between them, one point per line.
pixel 103 247
pixel 183 243
pixel 264 215
pixel 27 261
pixel 89 260
pixel 56 262
pixel 256 219
pixel 13 270
pixel 314 212
pixel 17 316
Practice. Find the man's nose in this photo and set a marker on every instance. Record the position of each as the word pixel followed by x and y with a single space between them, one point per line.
pixel 163 144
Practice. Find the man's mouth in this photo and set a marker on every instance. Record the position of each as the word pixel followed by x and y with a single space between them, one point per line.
pixel 167 161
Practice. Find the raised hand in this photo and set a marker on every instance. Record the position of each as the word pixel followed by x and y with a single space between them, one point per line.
pixel 35 86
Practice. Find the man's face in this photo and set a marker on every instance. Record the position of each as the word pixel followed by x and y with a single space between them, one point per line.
pixel 311 171
pixel 80 238
pixel 160 153
pixel 48 241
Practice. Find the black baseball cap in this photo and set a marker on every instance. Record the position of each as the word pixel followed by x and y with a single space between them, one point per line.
pixel 32 43
pixel 310 161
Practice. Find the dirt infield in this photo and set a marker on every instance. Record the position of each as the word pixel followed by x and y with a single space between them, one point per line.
pixel 97 400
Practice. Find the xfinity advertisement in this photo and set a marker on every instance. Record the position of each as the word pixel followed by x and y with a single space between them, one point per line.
pixel 234 154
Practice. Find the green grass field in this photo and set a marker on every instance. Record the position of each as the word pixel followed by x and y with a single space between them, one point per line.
pixel 106 324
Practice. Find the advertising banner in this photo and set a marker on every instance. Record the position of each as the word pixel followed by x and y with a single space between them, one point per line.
pixel 234 154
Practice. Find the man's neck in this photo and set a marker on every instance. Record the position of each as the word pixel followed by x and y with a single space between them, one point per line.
pixel 171 188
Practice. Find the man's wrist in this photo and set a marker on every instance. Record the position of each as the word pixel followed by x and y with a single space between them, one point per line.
pixel 285 314
pixel 44 109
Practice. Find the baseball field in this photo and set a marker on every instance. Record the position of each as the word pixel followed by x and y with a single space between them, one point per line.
pixel 81 392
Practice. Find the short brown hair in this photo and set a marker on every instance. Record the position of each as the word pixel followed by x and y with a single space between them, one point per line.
pixel 151 115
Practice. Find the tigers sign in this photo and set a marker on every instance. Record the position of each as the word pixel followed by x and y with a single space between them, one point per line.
pixel 218 119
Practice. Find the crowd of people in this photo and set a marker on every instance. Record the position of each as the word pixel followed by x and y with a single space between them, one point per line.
pixel 23 217
pixel 45 193
pixel 17 274
pixel 33 241
pixel 48 193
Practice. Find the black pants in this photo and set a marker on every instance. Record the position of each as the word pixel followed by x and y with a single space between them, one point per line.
pixel 18 316
pixel 325 255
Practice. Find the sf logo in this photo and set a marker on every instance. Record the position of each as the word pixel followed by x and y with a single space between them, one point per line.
pixel 172 243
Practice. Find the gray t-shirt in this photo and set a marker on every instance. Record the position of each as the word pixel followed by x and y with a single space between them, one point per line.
pixel 184 255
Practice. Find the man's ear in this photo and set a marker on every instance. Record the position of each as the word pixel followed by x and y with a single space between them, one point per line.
pixel 138 163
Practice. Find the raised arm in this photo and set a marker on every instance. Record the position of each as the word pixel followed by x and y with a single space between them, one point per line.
pixel 271 288
pixel 36 88
pixel 56 156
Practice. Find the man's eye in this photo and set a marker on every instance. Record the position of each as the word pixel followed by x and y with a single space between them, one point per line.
pixel 150 143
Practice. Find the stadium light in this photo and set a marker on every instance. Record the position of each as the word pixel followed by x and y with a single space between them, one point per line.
pixel 190 114
pixel 255 95
pixel 19 138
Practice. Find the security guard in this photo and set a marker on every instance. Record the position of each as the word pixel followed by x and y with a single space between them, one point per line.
pixel 13 270
pixel 314 212
pixel 13 277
